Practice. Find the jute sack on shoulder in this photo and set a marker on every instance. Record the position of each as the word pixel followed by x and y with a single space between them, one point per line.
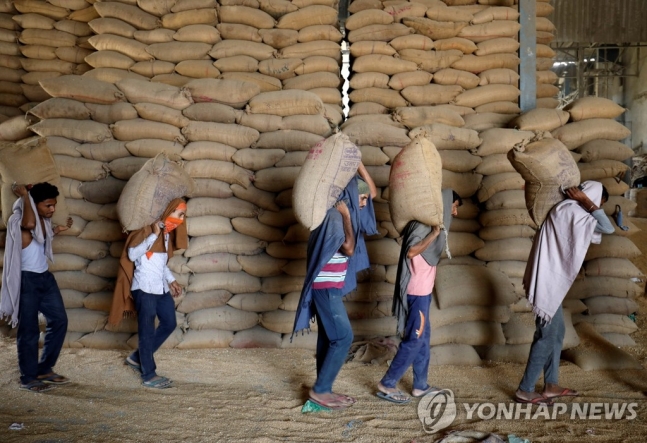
pixel 29 164
pixel 150 190
pixel 328 169
pixel 415 185
pixel 546 165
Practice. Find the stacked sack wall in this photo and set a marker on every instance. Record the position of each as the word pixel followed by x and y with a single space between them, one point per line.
pixel 46 40
pixel 607 285
pixel 447 70
pixel 12 127
pixel 52 43
pixel 241 101
pixel 241 92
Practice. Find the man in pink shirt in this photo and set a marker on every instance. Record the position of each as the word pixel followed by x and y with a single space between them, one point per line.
pixel 422 247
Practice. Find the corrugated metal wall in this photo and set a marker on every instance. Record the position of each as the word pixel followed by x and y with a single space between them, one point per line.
pixel 600 21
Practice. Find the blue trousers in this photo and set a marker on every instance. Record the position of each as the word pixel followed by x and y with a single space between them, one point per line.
pixel 334 338
pixel 545 352
pixel 39 292
pixel 414 347
pixel 148 307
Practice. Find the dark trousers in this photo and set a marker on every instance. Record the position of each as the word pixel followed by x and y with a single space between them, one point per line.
pixel 334 338
pixel 148 307
pixel 414 347
pixel 545 352
pixel 39 293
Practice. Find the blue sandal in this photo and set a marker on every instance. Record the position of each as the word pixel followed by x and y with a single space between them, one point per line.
pixel 53 379
pixel 158 383
pixel 36 386
pixel 399 397
pixel 132 364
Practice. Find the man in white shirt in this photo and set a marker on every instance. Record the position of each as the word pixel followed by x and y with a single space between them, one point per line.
pixel 146 285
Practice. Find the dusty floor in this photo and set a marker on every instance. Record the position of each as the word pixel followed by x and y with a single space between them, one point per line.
pixel 256 396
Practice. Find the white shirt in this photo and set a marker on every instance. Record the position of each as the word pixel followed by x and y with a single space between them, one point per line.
pixel 33 258
pixel 151 275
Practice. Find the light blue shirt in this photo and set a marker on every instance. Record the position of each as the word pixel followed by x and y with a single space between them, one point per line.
pixel 604 225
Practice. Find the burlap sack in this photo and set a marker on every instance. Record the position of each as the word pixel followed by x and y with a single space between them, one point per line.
pixel 150 190
pixel 415 185
pixel 329 167
pixel 593 107
pixel 28 164
pixel 574 135
pixel 83 89
pixel 546 166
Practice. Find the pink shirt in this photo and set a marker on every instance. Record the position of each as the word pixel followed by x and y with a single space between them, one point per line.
pixel 423 277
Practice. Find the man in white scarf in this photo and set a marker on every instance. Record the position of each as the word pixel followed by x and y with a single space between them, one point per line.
pixel 29 288
pixel 555 259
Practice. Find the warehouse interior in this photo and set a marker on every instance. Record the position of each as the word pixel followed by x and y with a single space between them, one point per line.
pixel 125 105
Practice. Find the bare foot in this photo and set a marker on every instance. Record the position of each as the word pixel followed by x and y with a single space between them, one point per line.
pixel 552 390
pixel 531 397
pixel 422 392
pixel 350 400
pixel 331 400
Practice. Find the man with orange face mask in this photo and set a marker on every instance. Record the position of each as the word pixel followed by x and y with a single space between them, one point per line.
pixel 145 284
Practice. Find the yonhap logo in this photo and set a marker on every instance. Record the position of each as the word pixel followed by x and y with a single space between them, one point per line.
pixel 437 410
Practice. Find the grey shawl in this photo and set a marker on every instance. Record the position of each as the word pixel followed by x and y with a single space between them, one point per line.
pixel 10 292
pixel 558 252
pixel 413 233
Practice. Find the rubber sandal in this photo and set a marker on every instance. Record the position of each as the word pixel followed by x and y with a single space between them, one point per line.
pixel 535 401
pixel 566 392
pixel 36 386
pixel 160 383
pixel 429 390
pixel 53 379
pixel 133 365
pixel 391 397
pixel 328 406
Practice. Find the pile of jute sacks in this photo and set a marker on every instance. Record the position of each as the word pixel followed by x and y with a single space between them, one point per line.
pixel 427 53
pixel 39 40
pixel 235 97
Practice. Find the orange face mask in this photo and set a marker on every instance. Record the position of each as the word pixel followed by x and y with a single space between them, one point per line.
pixel 171 223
